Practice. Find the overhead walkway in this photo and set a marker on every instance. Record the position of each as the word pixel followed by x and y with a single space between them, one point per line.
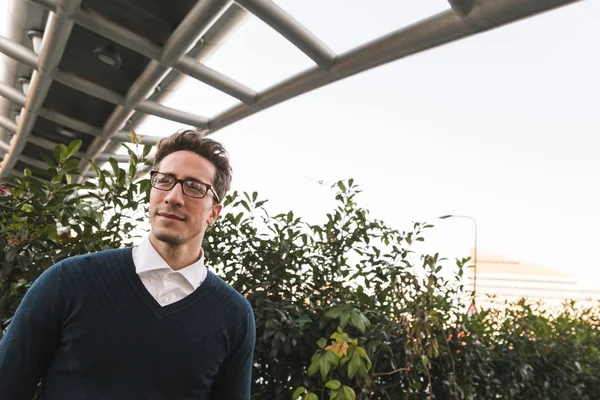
pixel 93 69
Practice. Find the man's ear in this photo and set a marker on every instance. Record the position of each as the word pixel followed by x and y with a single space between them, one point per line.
pixel 214 213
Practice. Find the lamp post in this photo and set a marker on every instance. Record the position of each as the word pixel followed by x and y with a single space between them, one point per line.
pixel 474 249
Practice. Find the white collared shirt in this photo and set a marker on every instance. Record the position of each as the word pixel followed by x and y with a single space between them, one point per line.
pixel 162 282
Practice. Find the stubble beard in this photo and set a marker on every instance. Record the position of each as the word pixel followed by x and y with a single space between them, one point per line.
pixel 168 238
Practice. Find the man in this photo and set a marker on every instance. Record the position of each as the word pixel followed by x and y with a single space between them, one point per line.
pixel 144 323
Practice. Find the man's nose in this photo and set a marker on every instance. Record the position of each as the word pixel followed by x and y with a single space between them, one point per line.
pixel 175 196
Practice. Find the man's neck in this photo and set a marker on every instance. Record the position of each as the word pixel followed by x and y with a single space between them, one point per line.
pixel 178 257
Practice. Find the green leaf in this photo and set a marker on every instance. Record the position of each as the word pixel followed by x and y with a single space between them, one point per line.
pixel 48 160
pixel 361 351
pixel 73 148
pixel 354 365
pixel 133 158
pixel 70 165
pixel 348 393
pixel 357 321
pixel 333 384
pixel 298 392
pixel 314 366
pixel 344 318
pixel 362 370
pixel 115 166
pixel 144 185
pixel 322 343
pixel 244 204
pixel 331 358
pixel 95 168
pixel 146 151
pixel 311 396
pixel 50 232
pixel 303 320
pixel 342 186
pixel 334 313
pixel 425 361
pixel 59 152
pixel 324 367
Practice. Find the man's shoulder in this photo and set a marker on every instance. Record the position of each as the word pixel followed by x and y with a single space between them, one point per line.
pixel 106 258
pixel 234 298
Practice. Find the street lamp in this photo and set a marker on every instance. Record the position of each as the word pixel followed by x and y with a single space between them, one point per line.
pixel 474 249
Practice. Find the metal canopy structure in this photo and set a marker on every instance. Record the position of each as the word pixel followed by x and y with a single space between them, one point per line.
pixel 93 69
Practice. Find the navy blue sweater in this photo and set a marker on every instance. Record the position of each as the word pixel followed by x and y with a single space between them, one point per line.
pixel 89 329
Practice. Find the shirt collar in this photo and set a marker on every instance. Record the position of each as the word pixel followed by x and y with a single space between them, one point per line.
pixel 146 258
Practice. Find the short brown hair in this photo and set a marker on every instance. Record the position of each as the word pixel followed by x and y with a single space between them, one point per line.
pixel 196 142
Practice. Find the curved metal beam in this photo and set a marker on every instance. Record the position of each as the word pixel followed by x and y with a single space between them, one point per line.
pixel 10 126
pixel 18 52
pixel 70 122
pixel 201 72
pixel 60 119
pixel 185 64
pixel 437 30
pixel 93 89
pixel 55 39
pixel 117 33
pixel 292 30
pixel 180 40
pixel 88 87
pixel 42 142
pixel 462 8
pixel 19 98
pixel 211 40
pixel 12 94
pixel 154 108
pixel 21 16
pixel 33 162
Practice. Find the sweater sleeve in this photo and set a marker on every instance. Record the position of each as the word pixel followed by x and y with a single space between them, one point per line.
pixel 27 348
pixel 234 380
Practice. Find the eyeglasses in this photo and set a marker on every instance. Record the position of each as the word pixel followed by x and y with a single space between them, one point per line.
pixel 191 187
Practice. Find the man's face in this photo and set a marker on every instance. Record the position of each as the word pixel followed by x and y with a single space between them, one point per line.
pixel 175 218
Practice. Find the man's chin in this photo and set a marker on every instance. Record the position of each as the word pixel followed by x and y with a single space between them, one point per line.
pixel 167 237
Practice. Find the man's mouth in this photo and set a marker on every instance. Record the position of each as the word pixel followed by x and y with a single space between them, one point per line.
pixel 171 216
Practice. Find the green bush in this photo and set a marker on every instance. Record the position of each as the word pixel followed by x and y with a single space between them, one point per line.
pixel 356 273
pixel 344 309
pixel 525 352
pixel 45 217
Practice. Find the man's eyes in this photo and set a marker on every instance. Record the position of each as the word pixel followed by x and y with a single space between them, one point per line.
pixel 196 186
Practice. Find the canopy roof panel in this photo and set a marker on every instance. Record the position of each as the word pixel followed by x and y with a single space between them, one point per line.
pixel 93 69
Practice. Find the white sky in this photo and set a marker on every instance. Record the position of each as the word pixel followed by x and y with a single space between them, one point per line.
pixel 502 126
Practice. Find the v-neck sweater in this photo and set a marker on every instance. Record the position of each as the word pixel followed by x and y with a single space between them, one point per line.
pixel 89 329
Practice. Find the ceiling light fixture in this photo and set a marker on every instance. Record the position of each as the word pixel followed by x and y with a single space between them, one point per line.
pixel 108 55
pixel 67 133
pixel 36 40
pixel 24 84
